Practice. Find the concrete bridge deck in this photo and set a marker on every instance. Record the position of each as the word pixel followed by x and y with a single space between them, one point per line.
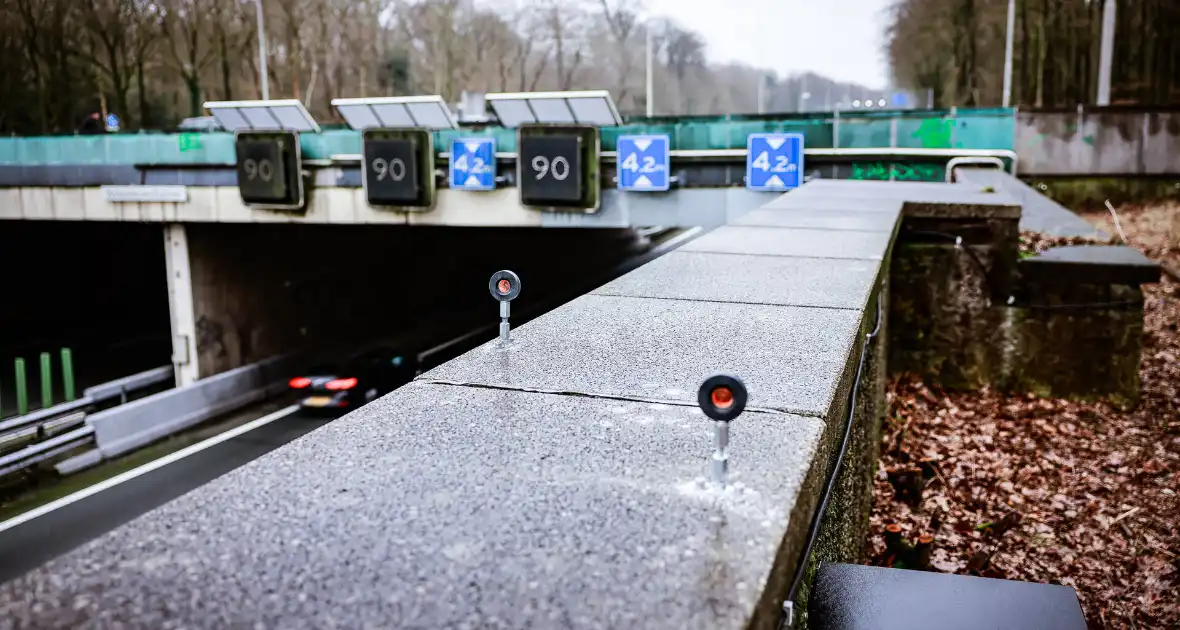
pixel 556 482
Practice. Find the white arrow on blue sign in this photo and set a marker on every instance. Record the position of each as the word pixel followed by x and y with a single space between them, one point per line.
pixel 644 163
pixel 774 161
pixel 473 164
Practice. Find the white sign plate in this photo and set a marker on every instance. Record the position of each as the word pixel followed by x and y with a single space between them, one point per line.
pixel 133 194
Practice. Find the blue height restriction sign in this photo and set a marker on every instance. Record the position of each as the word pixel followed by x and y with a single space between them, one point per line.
pixel 473 164
pixel 644 163
pixel 774 161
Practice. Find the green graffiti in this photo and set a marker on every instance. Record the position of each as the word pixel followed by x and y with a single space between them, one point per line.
pixel 935 133
pixel 189 142
pixel 898 171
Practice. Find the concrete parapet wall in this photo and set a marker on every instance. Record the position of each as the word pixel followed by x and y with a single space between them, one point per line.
pixel 127 427
pixel 1098 141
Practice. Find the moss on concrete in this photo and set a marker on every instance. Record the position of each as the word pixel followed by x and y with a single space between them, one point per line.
pixel 1078 341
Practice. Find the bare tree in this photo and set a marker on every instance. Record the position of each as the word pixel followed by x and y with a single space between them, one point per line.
pixel 622 18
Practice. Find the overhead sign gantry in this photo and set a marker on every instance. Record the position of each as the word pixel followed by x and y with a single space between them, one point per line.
pixel 397 168
pixel 269 159
pixel 558 145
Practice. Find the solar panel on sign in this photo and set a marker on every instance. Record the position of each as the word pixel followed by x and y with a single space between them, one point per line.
pixel 587 108
pixel 277 115
pixel 428 112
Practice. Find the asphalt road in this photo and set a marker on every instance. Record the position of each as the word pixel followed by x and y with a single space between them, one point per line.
pixel 33 542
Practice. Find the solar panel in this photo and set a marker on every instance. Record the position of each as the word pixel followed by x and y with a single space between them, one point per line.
pixel 593 107
pixel 277 115
pixel 429 112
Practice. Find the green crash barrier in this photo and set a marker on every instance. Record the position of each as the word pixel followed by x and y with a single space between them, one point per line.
pixel 46 381
pixel 67 373
pixel 22 388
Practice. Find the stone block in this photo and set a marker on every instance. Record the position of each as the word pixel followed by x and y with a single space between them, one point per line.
pixel 1091 264
pixel 790 357
pixel 821 282
pixel 821 219
pixel 441 506
pixel 799 242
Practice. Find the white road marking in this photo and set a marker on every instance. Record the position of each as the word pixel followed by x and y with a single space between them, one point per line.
pixel 146 468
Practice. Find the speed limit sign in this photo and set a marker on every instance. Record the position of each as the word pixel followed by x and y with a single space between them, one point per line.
pixel 269 169
pixel 398 167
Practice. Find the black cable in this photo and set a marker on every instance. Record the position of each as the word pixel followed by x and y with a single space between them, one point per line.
pixel 817 518
pixel 958 241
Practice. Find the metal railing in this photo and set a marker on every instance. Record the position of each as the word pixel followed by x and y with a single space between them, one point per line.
pixel 956 162
pixel 46 433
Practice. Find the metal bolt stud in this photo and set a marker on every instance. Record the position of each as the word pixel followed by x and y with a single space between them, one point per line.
pixel 504 286
pixel 722 397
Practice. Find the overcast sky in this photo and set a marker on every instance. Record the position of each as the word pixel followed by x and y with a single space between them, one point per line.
pixel 841 39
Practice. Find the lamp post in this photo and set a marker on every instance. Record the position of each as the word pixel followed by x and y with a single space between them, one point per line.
pixel 1106 53
pixel 651 105
pixel 263 79
pixel 1008 52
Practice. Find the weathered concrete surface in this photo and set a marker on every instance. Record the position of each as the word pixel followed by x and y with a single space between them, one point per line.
pixel 1099 141
pixel 822 282
pixel 546 511
pixel 1069 339
pixel 944 319
pixel 801 242
pixel 828 219
pixel 791 358
pixel 1092 264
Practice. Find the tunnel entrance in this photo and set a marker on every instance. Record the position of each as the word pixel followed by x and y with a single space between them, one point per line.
pixel 262 290
pixel 96 288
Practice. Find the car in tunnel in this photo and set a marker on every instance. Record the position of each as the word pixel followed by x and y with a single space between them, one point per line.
pixel 356 381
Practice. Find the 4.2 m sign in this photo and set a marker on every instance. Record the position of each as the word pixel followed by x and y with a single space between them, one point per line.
pixel 774 161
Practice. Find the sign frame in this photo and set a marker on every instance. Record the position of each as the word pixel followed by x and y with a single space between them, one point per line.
pixel 292 160
pixel 452 180
pixel 750 158
pixel 591 165
pixel 667 153
pixel 427 186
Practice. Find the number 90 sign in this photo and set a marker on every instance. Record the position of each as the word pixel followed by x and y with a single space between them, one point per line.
pixel 557 166
pixel 398 169
pixel 269 172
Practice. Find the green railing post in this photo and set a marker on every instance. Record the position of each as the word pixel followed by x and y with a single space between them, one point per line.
pixel 22 389
pixel 67 373
pixel 46 381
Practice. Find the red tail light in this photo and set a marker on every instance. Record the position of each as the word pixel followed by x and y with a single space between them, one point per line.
pixel 340 383
pixel 299 382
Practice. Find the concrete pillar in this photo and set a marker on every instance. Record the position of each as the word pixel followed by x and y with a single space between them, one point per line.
pixel 180 304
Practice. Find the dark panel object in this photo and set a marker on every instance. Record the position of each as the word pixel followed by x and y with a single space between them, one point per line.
pixel 269 169
pixel 558 166
pixel 1091 264
pixel 398 167
pixel 856 597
